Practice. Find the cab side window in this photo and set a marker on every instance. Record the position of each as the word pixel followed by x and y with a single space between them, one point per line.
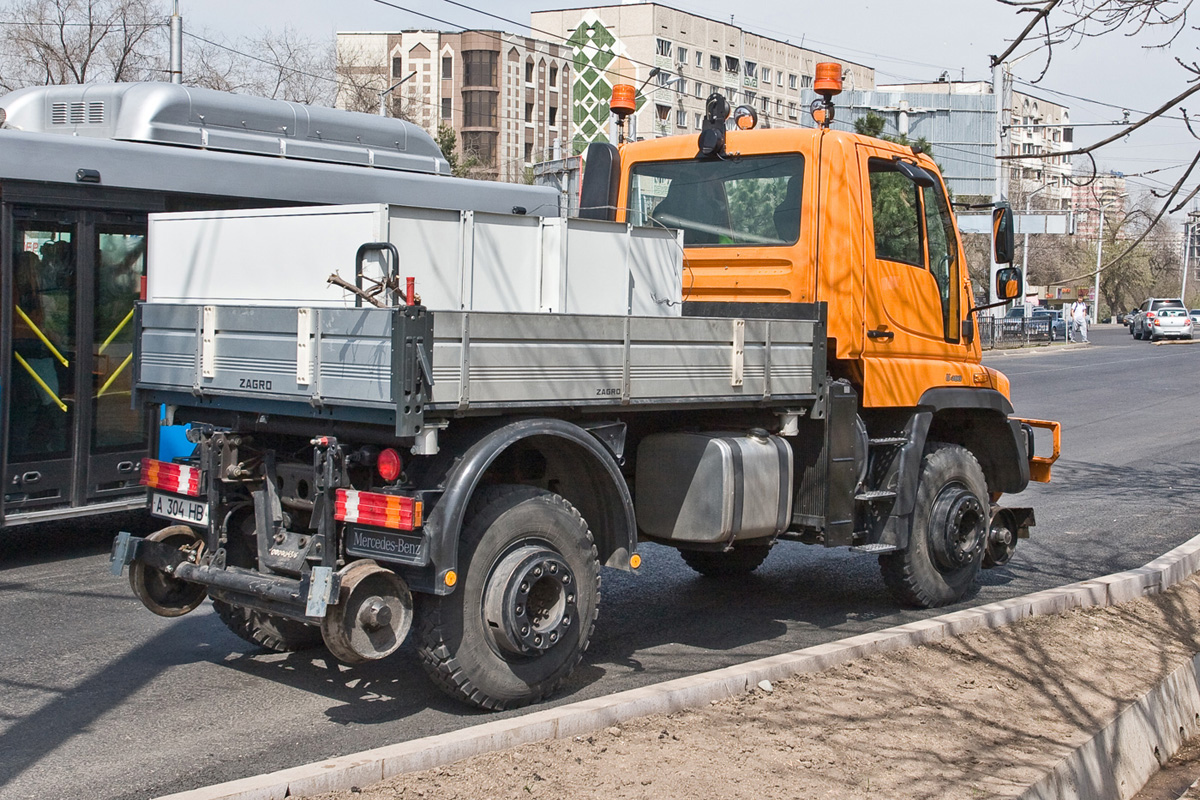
pixel 943 254
pixel 896 210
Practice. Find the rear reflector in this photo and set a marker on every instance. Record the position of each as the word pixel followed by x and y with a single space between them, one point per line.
pixel 176 478
pixel 381 510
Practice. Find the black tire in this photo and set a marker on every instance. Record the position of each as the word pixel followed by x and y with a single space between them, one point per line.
pixel 479 644
pixel 949 531
pixel 736 563
pixel 276 633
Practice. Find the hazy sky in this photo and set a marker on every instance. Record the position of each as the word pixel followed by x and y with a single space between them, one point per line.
pixel 904 40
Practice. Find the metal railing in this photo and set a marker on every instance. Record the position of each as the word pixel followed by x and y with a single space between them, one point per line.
pixel 997 333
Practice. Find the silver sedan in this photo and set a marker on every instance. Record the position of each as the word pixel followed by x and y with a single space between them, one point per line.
pixel 1172 323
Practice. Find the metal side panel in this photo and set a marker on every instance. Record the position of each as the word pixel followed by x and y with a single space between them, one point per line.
pixel 493 360
pixel 354 356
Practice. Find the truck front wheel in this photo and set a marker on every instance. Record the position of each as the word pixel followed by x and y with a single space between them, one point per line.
pixel 519 621
pixel 949 531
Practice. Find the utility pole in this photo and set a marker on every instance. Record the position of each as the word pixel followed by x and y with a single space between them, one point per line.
pixel 1099 251
pixel 176 45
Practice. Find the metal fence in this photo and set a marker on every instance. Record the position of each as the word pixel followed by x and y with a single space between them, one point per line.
pixel 996 333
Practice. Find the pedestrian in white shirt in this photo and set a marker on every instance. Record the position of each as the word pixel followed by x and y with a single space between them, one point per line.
pixel 1079 321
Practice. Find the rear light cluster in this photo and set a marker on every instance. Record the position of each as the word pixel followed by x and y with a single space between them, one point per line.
pixel 176 478
pixel 380 510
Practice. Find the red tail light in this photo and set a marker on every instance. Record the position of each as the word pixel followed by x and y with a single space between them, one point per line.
pixel 176 478
pixel 389 465
pixel 381 510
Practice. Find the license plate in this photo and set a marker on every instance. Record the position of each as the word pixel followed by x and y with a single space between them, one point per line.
pixel 183 509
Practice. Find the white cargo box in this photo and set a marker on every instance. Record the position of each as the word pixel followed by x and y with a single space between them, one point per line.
pixel 462 260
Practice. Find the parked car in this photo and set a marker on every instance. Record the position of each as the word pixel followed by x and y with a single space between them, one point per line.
pixel 1171 323
pixel 1195 315
pixel 1057 325
pixel 1144 319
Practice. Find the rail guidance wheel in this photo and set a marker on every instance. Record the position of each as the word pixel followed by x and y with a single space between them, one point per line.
pixel 160 592
pixel 372 616
pixel 949 531
pixel 522 615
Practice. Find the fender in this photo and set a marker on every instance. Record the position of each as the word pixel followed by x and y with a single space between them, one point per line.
pixel 981 421
pixel 611 519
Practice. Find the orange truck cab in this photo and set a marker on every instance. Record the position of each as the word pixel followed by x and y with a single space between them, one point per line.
pixel 787 223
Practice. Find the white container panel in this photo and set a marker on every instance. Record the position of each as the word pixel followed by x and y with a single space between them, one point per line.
pixel 430 243
pixel 264 257
pixel 505 272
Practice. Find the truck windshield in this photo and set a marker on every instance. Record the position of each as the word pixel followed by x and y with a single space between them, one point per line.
pixel 753 200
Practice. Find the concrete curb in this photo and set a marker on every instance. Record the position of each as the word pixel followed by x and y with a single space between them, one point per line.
pixel 372 766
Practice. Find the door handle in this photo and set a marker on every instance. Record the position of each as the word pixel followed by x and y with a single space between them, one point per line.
pixel 887 336
pixel 125 466
pixel 33 476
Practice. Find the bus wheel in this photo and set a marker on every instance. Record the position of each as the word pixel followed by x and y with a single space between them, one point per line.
pixel 160 592
pixel 949 531
pixel 273 632
pixel 521 617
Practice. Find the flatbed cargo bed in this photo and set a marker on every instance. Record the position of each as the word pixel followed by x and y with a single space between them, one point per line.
pixel 362 364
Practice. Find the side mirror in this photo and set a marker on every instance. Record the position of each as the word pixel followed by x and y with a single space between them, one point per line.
pixel 968 330
pixel 1008 283
pixel 1002 233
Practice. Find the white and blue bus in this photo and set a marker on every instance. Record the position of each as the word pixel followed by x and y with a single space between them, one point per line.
pixel 81 167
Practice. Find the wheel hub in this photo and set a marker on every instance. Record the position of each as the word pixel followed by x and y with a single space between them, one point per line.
pixel 530 600
pixel 958 527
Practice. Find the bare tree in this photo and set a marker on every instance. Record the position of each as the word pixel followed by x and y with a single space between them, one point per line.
pixel 1057 22
pixel 76 41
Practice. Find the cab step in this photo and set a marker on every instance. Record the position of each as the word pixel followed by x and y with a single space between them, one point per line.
pixel 876 496
pixel 876 549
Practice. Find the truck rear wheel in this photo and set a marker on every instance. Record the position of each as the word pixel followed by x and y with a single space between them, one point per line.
pixel 735 563
pixel 521 617
pixel 276 633
pixel 949 531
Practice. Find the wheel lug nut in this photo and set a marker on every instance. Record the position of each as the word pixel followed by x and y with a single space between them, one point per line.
pixel 537 639
pixel 524 589
pixel 566 621
pixel 537 572
pixel 553 638
pixel 553 568
pixel 524 630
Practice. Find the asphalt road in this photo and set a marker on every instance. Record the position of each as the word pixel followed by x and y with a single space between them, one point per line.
pixel 101 699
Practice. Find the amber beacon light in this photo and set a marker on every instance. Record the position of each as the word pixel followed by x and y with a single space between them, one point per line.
pixel 827 83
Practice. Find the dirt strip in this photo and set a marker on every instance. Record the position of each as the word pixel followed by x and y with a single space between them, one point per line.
pixel 983 715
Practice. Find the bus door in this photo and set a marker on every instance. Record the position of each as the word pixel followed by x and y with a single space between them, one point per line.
pixel 72 437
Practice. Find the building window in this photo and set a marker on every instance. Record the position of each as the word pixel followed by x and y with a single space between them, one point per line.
pixel 681 118
pixel 663 47
pixel 779 79
pixel 766 105
pixel 806 81
pixel 699 59
pixel 732 97
pixel 766 75
pixel 751 69
pixel 683 54
pixel 683 87
pixel 447 108
pixel 553 76
pixel 553 116
pixel 699 121
pixel 732 65
pixel 479 109
pixel 481 144
pixel 699 89
pixel 791 110
pixel 529 152
pixel 792 82
pixel 480 67
pixel 529 112
pixel 447 68
pixel 750 98
pixel 779 108
pixel 397 67
pixel 663 113
pixel 714 63
pixel 529 72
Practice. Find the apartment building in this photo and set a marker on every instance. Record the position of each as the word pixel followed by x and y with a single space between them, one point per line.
pixel 504 94
pixel 691 56
pixel 1104 191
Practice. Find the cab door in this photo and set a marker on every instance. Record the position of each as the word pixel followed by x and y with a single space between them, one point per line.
pixel 914 286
